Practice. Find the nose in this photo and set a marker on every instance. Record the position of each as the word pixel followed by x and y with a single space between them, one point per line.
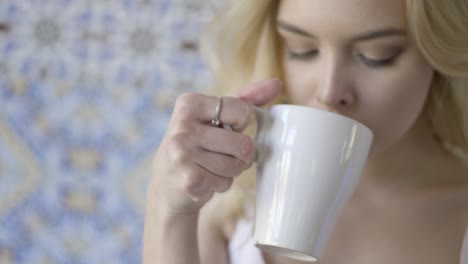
pixel 335 87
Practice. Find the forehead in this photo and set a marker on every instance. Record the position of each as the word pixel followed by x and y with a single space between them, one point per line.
pixel 343 16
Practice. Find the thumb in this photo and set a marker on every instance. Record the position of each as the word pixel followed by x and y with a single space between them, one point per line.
pixel 262 92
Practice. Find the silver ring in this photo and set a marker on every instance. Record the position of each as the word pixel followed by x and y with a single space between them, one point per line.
pixel 216 122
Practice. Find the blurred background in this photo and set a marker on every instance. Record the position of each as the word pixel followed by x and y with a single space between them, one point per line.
pixel 86 91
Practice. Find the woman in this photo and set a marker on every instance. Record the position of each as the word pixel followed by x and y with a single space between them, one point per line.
pixel 400 67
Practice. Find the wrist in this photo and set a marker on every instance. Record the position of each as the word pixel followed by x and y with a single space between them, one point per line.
pixel 168 205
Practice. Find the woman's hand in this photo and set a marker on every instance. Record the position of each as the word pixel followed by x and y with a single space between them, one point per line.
pixel 196 159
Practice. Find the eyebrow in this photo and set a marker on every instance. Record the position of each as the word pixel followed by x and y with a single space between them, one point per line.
pixel 380 33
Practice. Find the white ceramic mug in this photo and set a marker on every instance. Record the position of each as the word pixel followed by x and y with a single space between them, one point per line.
pixel 309 162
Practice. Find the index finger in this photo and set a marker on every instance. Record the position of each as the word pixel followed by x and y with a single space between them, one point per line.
pixel 231 112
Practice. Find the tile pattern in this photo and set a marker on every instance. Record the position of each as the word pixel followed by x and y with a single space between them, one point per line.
pixel 86 91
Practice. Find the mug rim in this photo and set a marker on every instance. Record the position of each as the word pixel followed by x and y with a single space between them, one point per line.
pixel 308 108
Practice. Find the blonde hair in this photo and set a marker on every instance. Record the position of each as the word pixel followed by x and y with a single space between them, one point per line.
pixel 440 31
pixel 241 45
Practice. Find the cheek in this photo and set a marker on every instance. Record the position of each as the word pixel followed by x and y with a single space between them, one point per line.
pixel 389 100
pixel 300 80
pixel 395 104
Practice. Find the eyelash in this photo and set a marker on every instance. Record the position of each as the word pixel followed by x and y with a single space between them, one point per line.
pixel 369 62
pixel 302 56
pixel 379 63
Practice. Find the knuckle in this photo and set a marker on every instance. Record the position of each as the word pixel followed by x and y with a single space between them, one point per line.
pixel 179 143
pixel 247 113
pixel 186 104
pixel 179 138
pixel 194 183
pixel 186 98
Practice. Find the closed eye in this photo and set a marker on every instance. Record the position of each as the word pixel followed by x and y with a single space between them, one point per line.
pixel 380 63
pixel 302 55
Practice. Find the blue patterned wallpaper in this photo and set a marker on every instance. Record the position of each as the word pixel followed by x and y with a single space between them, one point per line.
pixel 86 90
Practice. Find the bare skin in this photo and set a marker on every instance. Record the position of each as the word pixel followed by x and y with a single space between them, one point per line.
pixel 403 216
pixel 396 219
pixel 411 205
pixel 194 161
